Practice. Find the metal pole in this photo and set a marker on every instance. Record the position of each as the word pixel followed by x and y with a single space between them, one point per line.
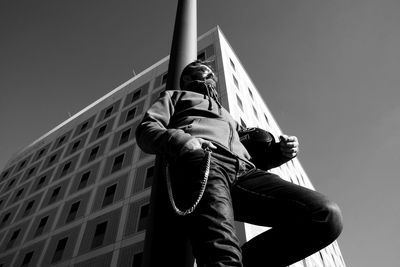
pixel 166 243
pixel 184 42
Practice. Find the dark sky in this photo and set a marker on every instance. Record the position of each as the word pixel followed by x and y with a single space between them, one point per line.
pixel 329 70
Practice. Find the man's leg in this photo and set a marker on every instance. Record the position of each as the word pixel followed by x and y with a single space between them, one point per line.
pixel 212 228
pixel 303 221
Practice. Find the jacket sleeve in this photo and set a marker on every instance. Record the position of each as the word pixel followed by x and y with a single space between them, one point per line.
pixel 153 135
pixel 275 157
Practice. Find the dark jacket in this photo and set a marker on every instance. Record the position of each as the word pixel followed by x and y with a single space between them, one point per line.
pixel 178 116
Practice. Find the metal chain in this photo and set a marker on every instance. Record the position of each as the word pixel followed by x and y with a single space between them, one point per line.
pixel 202 188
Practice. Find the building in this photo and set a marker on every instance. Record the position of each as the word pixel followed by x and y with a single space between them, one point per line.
pixel 79 195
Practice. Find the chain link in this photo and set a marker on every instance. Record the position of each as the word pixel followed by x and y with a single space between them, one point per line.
pixel 202 188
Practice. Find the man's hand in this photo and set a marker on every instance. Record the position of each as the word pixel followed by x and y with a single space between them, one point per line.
pixel 195 144
pixel 289 146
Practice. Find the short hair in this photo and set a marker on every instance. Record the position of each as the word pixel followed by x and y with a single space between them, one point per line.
pixel 191 67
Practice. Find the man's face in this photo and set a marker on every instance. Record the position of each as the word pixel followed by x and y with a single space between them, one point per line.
pixel 202 73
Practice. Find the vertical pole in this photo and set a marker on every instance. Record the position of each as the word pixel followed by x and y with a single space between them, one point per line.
pixel 184 41
pixel 166 243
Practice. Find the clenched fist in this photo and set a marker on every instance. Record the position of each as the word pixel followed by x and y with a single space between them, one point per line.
pixel 289 146
pixel 195 144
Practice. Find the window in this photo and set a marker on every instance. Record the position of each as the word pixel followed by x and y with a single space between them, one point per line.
pixel 125 136
pixel 164 78
pixel 22 165
pixel 101 131
pixel 235 81
pixel 58 253
pixel 52 159
pixel 54 195
pixel 137 259
pixel 75 146
pixel 255 112
pixel 41 226
pixel 11 183
pixel 136 95
pixel 108 112
pixel 149 177
pixel 61 141
pixel 93 153
pixel 19 193
pixel 13 238
pixel 41 182
pixel 109 195
pixel 130 115
pixel 83 127
pixel 239 102
pixel 65 168
pixel 72 212
pixel 266 118
pixel 5 218
pixel 232 64
pixel 117 165
pixel 5 174
pixel 28 208
pixel 250 93
pixel 84 180
pixel 30 172
pixel 144 212
pixel 27 258
pixel 41 152
pixel 242 123
pixel 99 234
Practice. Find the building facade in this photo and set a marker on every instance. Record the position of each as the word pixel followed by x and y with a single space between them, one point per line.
pixel 79 195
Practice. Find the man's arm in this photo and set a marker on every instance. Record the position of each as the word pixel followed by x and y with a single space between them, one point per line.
pixel 153 135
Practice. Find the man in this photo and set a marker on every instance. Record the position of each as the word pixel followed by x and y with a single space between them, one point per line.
pixel 193 131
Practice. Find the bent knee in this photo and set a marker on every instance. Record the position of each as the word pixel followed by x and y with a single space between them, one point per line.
pixel 331 218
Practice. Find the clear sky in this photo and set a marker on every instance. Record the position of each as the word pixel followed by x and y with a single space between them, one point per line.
pixel 328 69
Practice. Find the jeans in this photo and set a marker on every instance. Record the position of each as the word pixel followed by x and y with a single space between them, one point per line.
pixel 302 221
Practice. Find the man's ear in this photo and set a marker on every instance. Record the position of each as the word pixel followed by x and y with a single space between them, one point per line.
pixel 186 78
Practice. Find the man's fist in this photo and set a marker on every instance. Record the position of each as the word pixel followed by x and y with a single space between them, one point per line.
pixel 289 146
pixel 195 144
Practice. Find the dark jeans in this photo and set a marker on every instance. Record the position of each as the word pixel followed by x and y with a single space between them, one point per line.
pixel 303 221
